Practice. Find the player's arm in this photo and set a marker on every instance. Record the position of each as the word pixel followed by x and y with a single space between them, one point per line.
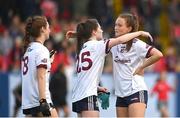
pixel 154 56
pixel 127 37
pixel 44 106
pixel 41 73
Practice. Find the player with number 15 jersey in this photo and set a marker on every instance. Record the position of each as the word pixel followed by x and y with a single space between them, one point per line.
pixel 90 64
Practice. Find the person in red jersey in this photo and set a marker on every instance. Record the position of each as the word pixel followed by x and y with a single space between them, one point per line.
pixel 162 89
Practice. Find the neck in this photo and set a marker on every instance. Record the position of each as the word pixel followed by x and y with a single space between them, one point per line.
pixel 92 38
pixel 40 40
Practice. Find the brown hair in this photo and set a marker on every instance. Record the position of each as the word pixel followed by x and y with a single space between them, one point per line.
pixel 33 29
pixel 84 31
pixel 131 21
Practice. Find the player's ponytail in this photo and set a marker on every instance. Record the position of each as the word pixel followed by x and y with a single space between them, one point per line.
pixel 27 37
pixel 84 32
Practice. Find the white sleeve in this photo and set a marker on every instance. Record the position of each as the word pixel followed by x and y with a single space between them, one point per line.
pixel 42 58
pixel 102 47
pixel 143 49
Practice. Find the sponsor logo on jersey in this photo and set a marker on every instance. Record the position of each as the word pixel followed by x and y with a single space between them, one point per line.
pixel 122 60
pixel 29 49
pixel 44 60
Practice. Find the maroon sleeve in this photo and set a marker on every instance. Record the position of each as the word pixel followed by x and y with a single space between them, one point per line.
pixel 107 50
pixel 148 53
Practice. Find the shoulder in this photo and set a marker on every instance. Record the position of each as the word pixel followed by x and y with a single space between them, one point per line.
pixel 137 41
pixel 140 43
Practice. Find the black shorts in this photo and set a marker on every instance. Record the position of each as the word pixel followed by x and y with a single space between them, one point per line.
pixel 141 96
pixel 87 104
pixel 34 111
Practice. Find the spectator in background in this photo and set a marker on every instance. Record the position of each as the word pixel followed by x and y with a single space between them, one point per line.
pixel 162 89
pixel 6 45
pixel 174 10
pixel 65 9
pixel 171 59
pixel 58 89
pixel 16 54
pixel 17 92
pixel 49 8
pixel 175 35
pixel 15 27
pixel 150 10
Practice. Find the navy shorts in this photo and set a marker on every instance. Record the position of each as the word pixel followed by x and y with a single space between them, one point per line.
pixel 35 110
pixel 87 104
pixel 141 96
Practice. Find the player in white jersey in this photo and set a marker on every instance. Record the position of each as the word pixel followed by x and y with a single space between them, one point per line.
pixel 90 61
pixel 36 64
pixel 129 61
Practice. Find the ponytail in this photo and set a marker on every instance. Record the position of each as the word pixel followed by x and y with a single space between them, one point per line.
pixel 84 32
pixel 27 37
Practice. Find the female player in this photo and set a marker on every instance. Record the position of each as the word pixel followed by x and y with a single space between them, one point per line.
pixel 91 51
pixel 129 61
pixel 36 65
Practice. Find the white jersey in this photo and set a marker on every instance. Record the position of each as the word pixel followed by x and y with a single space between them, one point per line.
pixel 89 65
pixel 125 64
pixel 37 55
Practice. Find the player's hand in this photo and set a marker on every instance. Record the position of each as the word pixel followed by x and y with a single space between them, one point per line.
pixel 102 89
pixel 104 99
pixel 139 71
pixel 146 34
pixel 70 34
pixel 44 108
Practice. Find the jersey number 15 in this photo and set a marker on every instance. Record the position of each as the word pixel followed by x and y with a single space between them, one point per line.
pixel 84 57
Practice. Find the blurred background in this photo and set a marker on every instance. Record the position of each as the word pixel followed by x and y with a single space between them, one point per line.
pixel 159 17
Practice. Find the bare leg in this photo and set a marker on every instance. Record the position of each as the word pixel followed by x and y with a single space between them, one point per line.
pixel 122 111
pixel 164 112
pixel 90 113
pixel 137 110
pixel 66 111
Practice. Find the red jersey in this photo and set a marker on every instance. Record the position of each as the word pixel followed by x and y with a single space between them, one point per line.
pixel 162 88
